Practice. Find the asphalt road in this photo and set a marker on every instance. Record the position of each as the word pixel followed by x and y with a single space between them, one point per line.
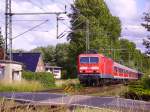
pixel 79 100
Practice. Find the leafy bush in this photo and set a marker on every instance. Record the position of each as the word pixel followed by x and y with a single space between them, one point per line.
pixel 146 81
pixel 140 89
pixel 47 79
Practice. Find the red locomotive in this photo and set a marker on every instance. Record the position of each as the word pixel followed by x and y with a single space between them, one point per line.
pixel 97 68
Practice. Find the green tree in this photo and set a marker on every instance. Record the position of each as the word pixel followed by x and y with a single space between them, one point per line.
pixel 61 56
pixel 55 55
pixel 127 52
pixel 48 54
pixel 146 42
pixel 104 28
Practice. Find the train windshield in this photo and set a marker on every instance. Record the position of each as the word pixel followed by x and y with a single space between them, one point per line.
pixel 84 60
pixel 89 60
pixel 94 59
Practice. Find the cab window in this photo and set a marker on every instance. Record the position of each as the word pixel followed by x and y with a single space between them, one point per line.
pixel 84 60
pixel 94 59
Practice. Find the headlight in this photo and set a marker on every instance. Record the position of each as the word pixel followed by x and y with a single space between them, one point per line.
pixel 83 68
pixel 95 68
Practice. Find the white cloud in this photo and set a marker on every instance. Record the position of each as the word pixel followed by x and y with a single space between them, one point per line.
pixel 126 9
pixel 138 29
pixel 33 39
pixel 130 13
pixel 147 6
pixel 135 33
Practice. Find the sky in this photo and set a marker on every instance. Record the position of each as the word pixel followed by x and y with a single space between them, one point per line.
pixel 130 13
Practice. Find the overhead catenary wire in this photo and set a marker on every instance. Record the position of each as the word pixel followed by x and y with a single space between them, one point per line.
pixel 66 30
pixel 30 29
pixel 28 20
pixel 10 14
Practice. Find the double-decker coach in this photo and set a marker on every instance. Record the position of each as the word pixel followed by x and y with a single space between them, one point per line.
pixel 123 72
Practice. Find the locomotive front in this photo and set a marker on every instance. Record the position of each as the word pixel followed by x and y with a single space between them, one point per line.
pixel 88 66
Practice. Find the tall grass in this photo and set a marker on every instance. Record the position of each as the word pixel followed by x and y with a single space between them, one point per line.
pixel 23 86
pixel 12 106
pixel 94 110
pixel 61 83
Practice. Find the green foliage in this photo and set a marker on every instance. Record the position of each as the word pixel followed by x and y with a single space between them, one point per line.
pixel 146 81
pixel 46 79
pixel 140 89
pixel 61 56
pixel 146 42
pixel 48 54
pixel 1 41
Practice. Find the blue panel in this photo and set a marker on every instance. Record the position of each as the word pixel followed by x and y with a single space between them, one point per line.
pixel 30 60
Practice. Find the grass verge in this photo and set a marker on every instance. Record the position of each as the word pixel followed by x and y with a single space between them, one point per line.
pixel 23 86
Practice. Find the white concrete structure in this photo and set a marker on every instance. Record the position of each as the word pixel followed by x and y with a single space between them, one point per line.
pixel 10 71
pixel 54 70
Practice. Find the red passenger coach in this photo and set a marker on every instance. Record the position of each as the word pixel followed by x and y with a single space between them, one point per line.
pixel 97 67
pixel 123 72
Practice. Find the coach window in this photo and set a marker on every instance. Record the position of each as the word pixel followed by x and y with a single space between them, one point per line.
pixel 120 70
pixel 94 59
pixel 133 75
pixel 115 69
pixel 130 74
pixel 127 71
pixel 123 71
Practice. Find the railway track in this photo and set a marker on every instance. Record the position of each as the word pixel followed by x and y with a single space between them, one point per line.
pixel 109 90
pixel 78 101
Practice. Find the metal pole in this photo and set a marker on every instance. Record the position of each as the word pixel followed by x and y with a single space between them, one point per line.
pixel 57 24
pixel 129 59
pixel 8 28
pixel 87 36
